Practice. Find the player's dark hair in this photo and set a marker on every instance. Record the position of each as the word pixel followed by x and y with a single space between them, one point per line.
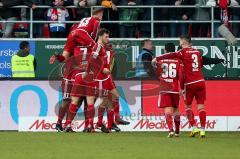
pixel 103 31
pixel 169 47
pixel 23 45
pixel 187 38
pixel 144 41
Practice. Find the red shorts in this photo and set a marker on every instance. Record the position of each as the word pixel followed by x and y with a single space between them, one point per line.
pixel 105 86
pixel 197 90
pixel 67 84
pixel 66 88
pixel 168 100
pixel 83 88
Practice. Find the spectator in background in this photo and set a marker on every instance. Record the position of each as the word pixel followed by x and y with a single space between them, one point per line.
pixel 38 14
pixel 23 63
pixel 9 15
pixel 201 14
pixel 109 4
pixel 127 30
pixel 161 29
pixel 180 14
pixel 144 67
pixel 67 2
pixel 82 11
pixel 85 3
pixel 110 14
pixel 59 14
pixel 145 29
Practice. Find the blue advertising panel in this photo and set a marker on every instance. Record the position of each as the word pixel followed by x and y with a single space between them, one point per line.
pixel 7 50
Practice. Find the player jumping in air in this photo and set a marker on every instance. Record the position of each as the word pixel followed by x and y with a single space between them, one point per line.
pixel 83 34
pixel 169 73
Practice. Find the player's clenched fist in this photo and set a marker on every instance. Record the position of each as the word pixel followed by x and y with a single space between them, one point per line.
pixel 55 57
pixel 106 71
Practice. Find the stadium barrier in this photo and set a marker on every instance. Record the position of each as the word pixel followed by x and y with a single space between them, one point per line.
pixel 152 21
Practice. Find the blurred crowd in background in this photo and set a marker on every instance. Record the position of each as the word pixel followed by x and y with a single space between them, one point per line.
pixel 59 12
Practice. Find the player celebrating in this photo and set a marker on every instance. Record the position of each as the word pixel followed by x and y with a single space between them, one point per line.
pixel 169 72
pixel 82 34
pixel 110 99
pixel 194 82
pixel 84 84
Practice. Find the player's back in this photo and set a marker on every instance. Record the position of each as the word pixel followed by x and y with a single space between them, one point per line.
pixel 82 56
pixel 168 73
pixel 192 62
pixel 90 25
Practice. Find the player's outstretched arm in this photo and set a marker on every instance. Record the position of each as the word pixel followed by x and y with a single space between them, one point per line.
pixel 60 57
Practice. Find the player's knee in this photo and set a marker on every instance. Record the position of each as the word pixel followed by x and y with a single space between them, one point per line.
pixel 75 100
pixel 187 107
pixel 200 107
pixel 168 110
pixel 115 93
pixel 66 102
pixel 90 100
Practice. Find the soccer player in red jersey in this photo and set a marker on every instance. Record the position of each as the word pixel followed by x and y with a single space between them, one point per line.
pixel 85 85
pixel 82 34
pixel 109 97
pixel 194 82
pixel 169 74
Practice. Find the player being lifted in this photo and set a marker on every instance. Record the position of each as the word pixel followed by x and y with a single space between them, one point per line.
pixel 194 83
pixel 82 34
pixel 169 73
pixel 85 85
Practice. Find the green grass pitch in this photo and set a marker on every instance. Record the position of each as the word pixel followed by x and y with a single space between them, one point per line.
pixel 124 145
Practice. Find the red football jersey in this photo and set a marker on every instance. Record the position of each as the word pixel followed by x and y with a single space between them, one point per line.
pixel 168 71
pixel 100 51
pixel 82 34
pixel 110 57
pixel 81 57
pixel 90 25
pixel 192 64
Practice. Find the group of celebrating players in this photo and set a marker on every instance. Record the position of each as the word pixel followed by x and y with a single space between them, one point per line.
pixel 87 76
pixel 183 67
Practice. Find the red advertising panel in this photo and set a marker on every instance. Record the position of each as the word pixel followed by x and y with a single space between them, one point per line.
pixel 223 98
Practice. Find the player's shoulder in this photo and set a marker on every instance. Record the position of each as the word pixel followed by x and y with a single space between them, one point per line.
pixel 175 60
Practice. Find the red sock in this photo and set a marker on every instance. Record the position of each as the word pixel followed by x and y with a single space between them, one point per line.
pixel 169 122
pixel 202 117
pixel 110 118
pixel 61 113
pixel 116 110
pixel 101 111
pixel 190 117
pixel 90 115
pixel 86 120
pixel 72 111
pixel 177 123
